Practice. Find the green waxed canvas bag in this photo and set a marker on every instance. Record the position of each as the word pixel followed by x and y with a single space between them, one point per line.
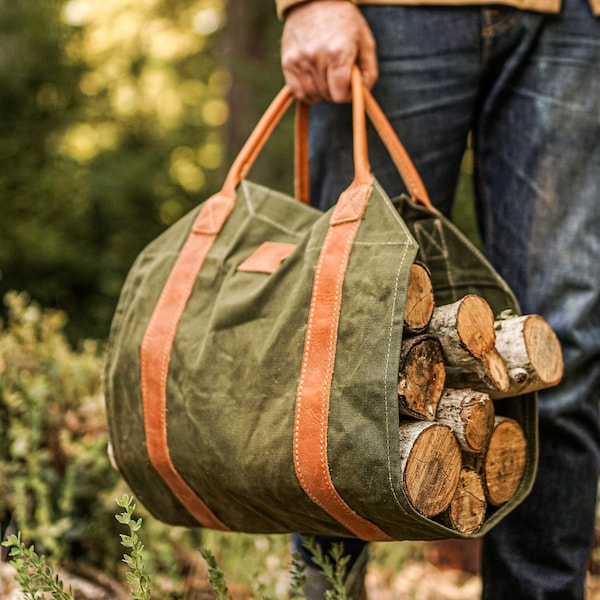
pixel 251 377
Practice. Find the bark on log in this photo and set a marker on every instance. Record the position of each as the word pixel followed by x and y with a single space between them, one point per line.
pixel 430 465
pixel 470 415
pixel 467 509
pixel 419 300
pixel 488 374
pixel 532 353
pixel 466 331
pixel 421 377
pixel 502 465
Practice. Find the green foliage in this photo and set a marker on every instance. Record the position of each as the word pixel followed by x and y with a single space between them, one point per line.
pixel 110 126
pixel 33 574
pixel 53 461
pixel 56 482
pixel 297 573
pixel 216 577
pixel 137 575
pixel 257 563
pixel 334 566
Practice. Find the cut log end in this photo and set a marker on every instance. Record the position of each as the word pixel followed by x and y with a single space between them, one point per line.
pixel 543 349
pixel 478 423
pixel 504 462
pixel 470 415
pixel 496 372
pixel 467 509
pixel 421 378
pixel 419 299
pixel 475 325
pixel 432 466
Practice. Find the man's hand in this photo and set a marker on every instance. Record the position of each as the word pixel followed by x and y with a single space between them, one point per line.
pixel 322 40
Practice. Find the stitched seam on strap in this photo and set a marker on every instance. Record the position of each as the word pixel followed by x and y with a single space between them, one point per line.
pixel 326 496
pixel 196 247
pixel 323 428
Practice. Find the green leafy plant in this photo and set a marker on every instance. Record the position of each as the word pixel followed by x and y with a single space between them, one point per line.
pixel 57 486
pixel 33 574
pixel 333 565
pixel 298 575
pixel 54 466
pixel 216 577
pixel 137 574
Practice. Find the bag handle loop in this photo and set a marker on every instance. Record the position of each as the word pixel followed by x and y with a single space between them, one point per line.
pixel 363 104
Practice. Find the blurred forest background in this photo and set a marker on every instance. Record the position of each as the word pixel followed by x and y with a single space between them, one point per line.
pixel 116 118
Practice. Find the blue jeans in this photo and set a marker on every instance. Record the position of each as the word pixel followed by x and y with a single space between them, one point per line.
pixel 527 86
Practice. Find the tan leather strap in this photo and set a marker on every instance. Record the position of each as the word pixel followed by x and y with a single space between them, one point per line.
pixel 398 153
pixel 401 159
pixel 301 168
pixel 312 399
pixel 255 142
pixel 156 353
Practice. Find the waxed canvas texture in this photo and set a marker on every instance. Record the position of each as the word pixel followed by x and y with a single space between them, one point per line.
pixel 237 355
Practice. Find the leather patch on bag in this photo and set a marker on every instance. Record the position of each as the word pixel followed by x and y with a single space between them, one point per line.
pixel 267 258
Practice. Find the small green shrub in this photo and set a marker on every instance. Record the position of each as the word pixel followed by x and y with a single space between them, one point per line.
pixel 57 486
pixel 36 577
pixel 53 461
pixel 33 575
pixel 137 575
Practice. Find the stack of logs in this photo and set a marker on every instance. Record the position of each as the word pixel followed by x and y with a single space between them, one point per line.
pixel 457 455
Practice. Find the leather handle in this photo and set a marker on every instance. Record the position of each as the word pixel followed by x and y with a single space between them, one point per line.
pixel 301 160
pixel 255 142
pixel 399 155
pixel 363 104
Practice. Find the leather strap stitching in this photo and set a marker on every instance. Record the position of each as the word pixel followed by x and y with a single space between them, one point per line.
pixel 156 352
pixel 314 388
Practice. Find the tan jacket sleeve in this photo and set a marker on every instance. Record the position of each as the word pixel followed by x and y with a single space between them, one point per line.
pixel 284 5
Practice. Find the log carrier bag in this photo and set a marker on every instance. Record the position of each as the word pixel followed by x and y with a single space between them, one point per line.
pixel 251 378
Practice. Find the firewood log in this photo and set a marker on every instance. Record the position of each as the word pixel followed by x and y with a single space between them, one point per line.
pixel 502 465
pixel 419 300
pixel 421 377
pixel 430 464
pixel 532 353
pixel 488 374
pixel 468 506
pixel 466 331
pixel 470 415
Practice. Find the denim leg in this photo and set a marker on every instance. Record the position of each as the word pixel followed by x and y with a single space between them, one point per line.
pixel 529 87
pixel 538 175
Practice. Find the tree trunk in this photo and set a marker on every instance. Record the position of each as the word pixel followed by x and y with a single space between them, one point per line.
pixel 532 353
pixel 502 465
pixel 466 512
pixel 466 331
pixel 465 328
